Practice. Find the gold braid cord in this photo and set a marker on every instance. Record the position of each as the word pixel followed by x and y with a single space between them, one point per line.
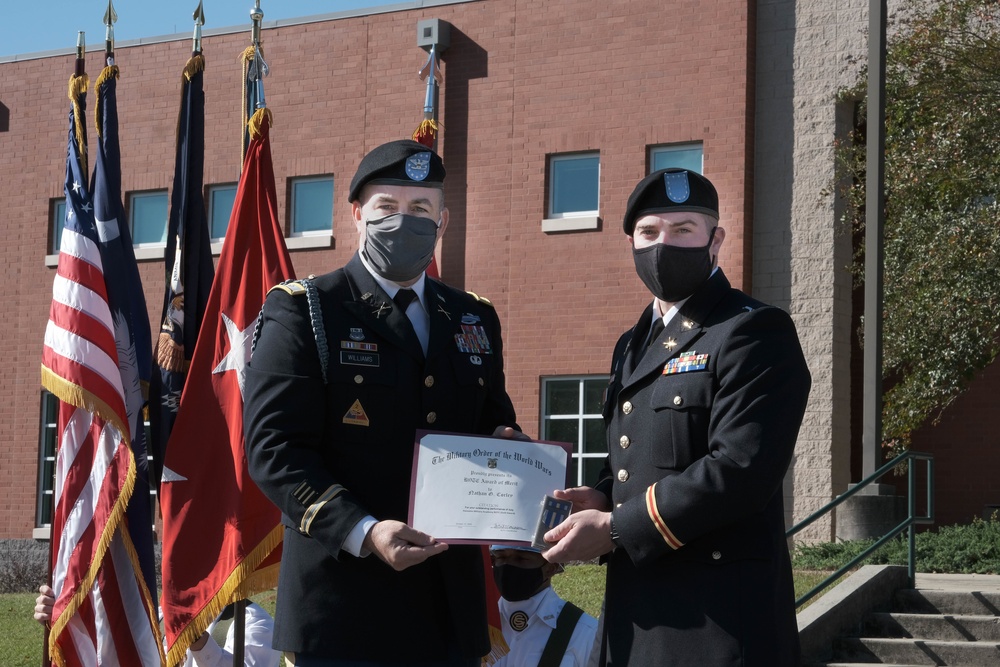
pixel 247 58
pixel 109 72
pixel 78 86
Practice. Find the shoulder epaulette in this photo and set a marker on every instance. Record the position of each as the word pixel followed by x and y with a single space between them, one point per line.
pixel 308 288
pixel 290 287
pixel 481 299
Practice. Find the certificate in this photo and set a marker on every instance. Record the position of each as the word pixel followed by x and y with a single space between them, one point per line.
pixel 482 490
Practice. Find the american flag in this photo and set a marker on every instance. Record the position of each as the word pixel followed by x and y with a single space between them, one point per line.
pixel 104 611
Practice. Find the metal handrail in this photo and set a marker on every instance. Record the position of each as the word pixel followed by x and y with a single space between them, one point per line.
pixel 908 524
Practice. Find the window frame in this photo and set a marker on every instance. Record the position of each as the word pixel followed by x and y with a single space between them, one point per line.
pixel 579 447
pixel 56 223
pixel 47 438
pixel 661 149
pixel 210 192
pixel 138 194
pixel 313 178
pixel 555 159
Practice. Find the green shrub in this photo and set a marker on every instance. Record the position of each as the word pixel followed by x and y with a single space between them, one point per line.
pixel 972 548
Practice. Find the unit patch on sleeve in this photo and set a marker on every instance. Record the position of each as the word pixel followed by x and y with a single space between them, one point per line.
pixel 688 361
pixel 356 415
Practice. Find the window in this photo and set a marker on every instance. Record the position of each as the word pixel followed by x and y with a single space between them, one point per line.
pixel 57 220
pixel 574 182
pixel 46 459
pixel 571 412
pixel 311 205
pixel 147 217
pixel 685 156
pixel 220 207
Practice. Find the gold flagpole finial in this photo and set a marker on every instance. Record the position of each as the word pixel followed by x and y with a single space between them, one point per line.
pixel 199 20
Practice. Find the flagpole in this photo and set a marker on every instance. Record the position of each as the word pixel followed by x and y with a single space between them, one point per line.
pixel 199 21
pixel 110 18
pixel 258 69
pixel 79 70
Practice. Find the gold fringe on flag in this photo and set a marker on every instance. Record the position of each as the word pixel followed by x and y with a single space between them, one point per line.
pixel 78 86
pixel 194 65
pixel 426 132
pixel 109 72
pixel 257 120
pixel 77 396
pixel 243 582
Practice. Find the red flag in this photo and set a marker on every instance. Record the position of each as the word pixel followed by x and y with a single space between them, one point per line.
pixel 220 534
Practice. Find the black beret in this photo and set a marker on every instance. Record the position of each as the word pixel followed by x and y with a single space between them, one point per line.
pixel 671 190
pixel 403 162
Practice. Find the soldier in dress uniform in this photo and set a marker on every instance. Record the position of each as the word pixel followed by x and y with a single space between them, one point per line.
pixel 706 396
pixel 346 367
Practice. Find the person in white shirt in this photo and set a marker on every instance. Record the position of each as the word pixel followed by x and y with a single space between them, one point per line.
pixel 540 628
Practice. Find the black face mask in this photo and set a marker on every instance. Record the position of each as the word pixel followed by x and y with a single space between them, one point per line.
pixel 673 273
pixel 517 583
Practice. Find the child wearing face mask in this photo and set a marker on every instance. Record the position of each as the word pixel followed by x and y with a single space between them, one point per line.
pixel 540 628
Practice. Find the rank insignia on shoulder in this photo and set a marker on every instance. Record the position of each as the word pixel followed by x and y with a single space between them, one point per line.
pixel 481 299
pixel 688 361
pixel 290 287
pixel 356 415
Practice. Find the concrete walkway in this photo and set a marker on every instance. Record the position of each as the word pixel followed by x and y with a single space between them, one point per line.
pixel 958 583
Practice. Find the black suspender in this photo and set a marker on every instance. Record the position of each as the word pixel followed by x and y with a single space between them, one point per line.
pixel 558 642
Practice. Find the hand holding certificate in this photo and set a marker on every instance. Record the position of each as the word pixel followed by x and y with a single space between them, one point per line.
pixel 484 490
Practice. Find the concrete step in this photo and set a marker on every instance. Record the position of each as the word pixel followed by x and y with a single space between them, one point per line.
pixel 976 603
pixel 941 627
pixel 916 652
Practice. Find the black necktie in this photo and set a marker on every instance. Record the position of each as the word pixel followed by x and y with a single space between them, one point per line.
pixel 403 298
pixel 654 332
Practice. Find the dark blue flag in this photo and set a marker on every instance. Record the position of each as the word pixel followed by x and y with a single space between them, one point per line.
pixel 189 270
pixel 128 310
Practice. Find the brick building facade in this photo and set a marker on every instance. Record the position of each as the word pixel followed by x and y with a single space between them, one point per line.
pixel 750 83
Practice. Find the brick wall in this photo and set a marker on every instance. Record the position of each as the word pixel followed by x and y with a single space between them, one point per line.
pixel 521 82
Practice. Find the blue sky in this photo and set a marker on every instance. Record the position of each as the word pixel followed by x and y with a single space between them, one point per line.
pixel 29 26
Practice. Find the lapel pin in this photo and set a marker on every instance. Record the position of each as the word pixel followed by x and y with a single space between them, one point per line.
pixel 446 313
pixel 382 309
pixel 670 344
pixel 688 324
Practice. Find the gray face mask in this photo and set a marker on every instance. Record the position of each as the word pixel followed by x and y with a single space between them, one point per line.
pixel 399 246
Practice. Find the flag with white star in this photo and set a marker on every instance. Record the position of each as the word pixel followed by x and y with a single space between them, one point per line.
pixel 221 535
pixel 102 561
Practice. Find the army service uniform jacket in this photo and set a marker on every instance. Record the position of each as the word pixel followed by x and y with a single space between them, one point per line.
pixel 700 435
pixel 329 452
